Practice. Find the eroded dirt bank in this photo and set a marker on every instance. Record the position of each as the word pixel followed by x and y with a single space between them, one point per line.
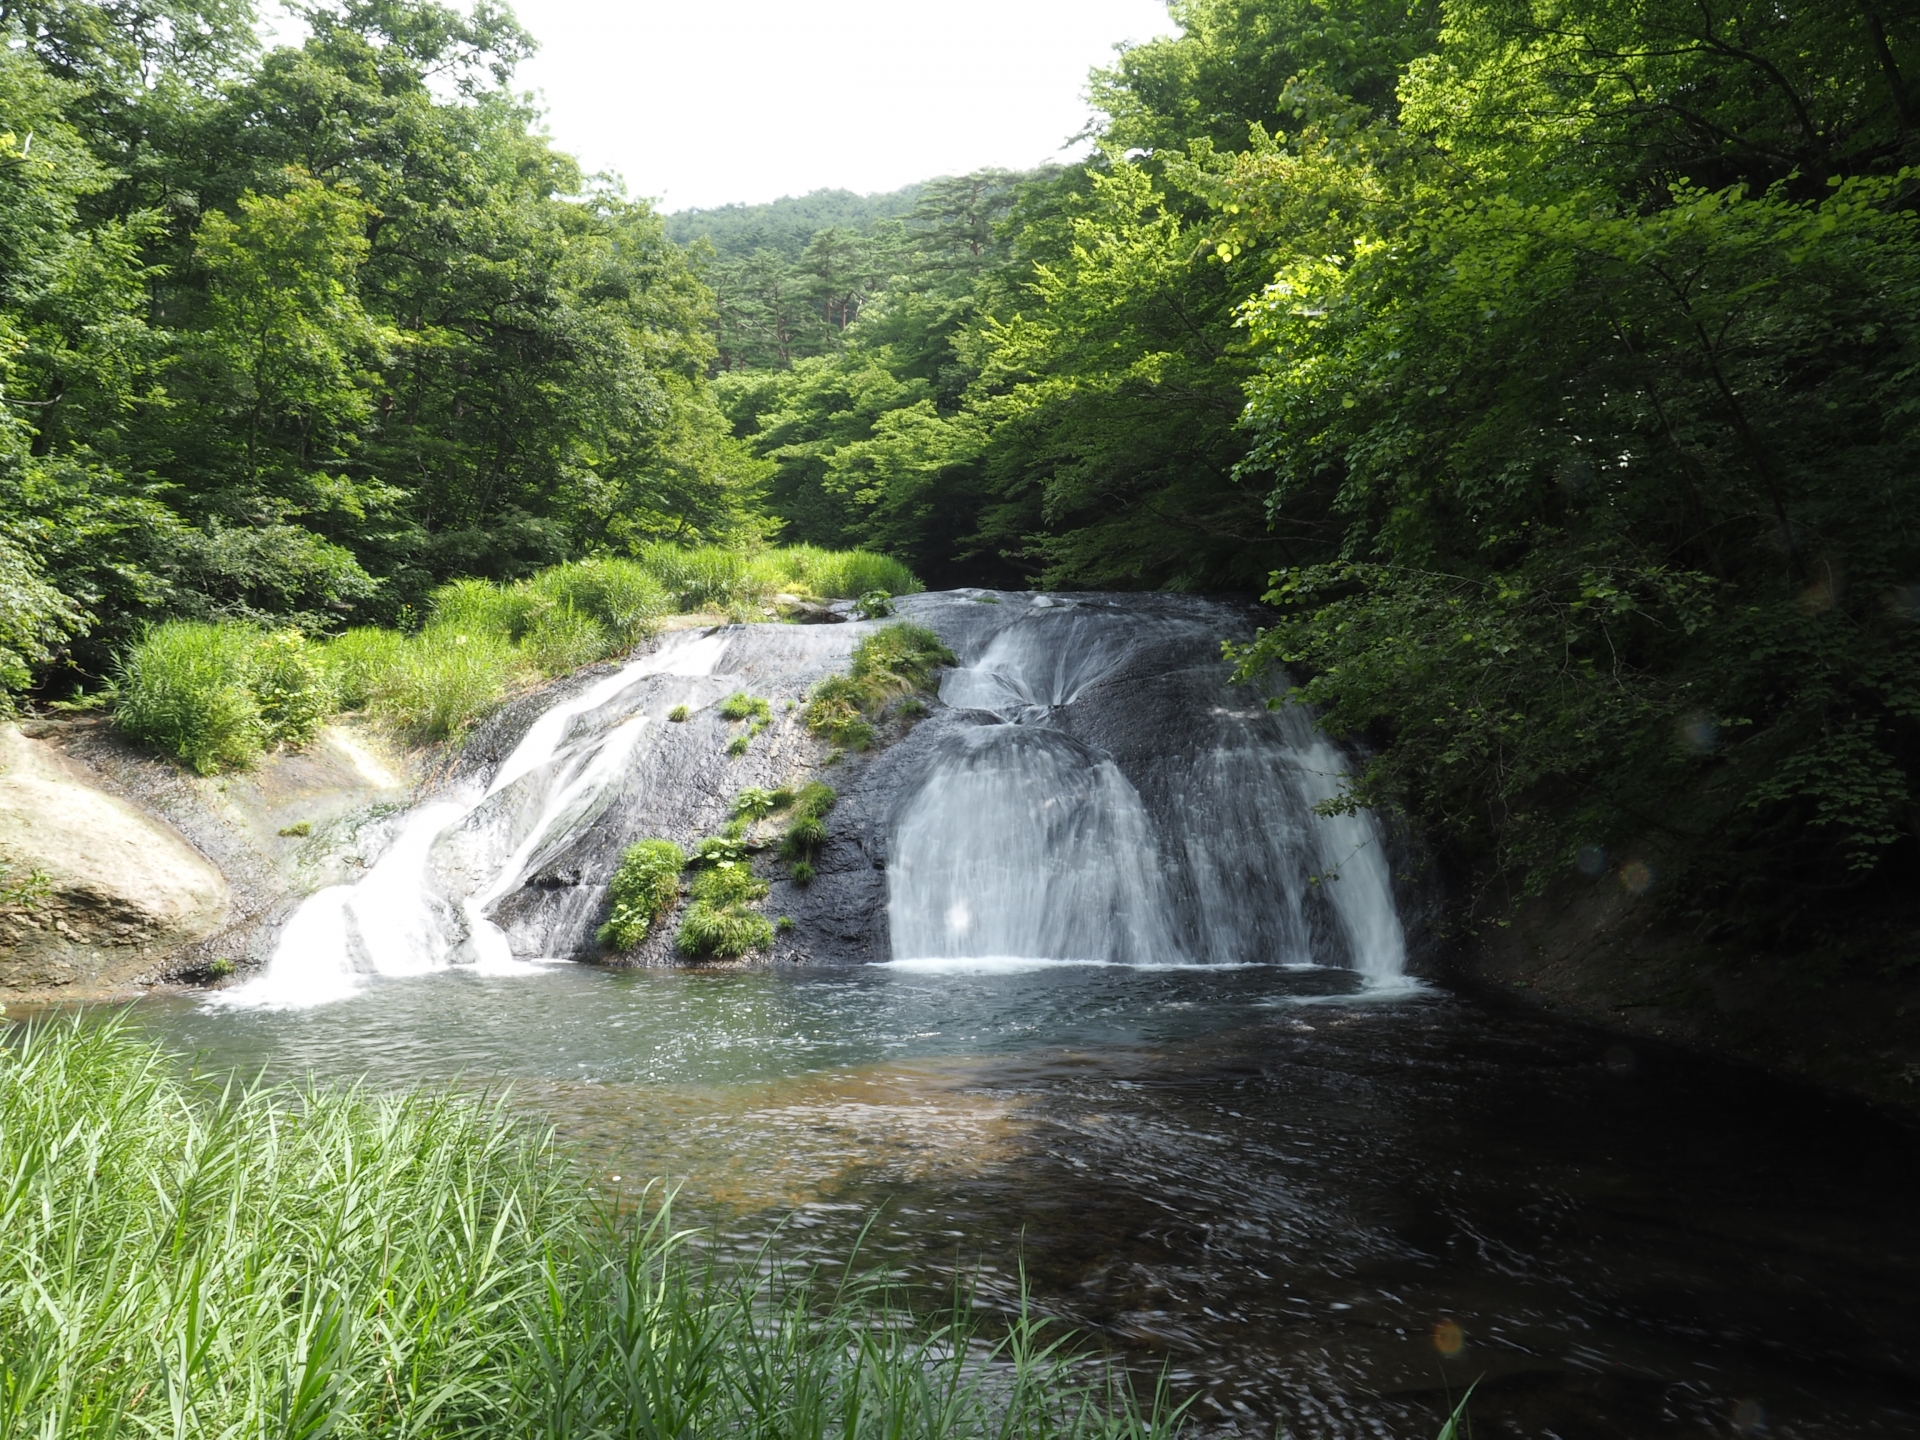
pixel 124 870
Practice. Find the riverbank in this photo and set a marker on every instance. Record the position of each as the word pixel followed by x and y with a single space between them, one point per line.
pixel 1846 1018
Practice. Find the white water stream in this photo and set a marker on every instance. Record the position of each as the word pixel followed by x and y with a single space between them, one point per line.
pixel 422 906
pixel 1025 842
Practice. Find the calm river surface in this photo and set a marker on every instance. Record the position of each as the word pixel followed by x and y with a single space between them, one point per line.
pixel 1294 1196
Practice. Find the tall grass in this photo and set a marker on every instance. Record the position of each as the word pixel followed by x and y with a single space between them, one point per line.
pixel 845 574
pixel 710 577
pixel 216 695
pixel 332 1262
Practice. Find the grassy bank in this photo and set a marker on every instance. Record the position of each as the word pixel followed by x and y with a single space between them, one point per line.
pixel 216 695
pixel 339 1263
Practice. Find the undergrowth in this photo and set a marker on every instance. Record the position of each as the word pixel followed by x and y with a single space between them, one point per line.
pixel 644 891
pixel 336 1262
pixel 894 661
pixel 216 695
pixel 721 923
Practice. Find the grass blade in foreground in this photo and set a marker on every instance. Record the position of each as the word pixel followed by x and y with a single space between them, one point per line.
pixel 338 1262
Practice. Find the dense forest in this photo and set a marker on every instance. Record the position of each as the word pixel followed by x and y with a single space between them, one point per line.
pixel 1547 364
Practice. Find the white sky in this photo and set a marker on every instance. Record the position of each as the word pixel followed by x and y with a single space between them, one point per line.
pixel 705 102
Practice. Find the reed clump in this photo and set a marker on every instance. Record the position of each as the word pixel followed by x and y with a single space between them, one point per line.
pixel 337 1262
pixel 889 663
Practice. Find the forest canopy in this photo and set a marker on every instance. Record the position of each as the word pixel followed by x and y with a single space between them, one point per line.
pixel 1548 365
pixel 296 335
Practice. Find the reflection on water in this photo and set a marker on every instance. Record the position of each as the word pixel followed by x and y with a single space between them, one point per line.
pixel 1318 1205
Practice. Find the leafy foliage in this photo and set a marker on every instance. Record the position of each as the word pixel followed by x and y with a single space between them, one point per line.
pixel 643 892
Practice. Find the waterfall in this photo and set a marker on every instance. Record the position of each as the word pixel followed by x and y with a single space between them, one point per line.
pixel 1026 844
pixel 422 906
pixel 1113 798
pixel 1095 790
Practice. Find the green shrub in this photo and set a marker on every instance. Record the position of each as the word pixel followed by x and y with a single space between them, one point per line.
pixel 185 688
pixel 644 891
pixel 843 574
pixel 739 581
pixel 622 596
pixel 814 799
pixel 894 661
pixel 834 710
pixel 805 836
pixel 719 923
pixel 739 744
pixel 178 1259
pixel 290 679
pixel 722 934
pixel 727 882
pixel 899 659
pixel 560 638
pixel 711 576
pixel 752 803
pixel 808 832
pixel 742 706
pixel 802 873
pixel 479 607
pixel 678 713
pixel 718 848
pixel 874 605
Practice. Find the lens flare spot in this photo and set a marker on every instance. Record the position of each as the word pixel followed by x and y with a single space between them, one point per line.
pixel 1700 733
pixel 1448 1338
pixel 1591 861
pixel 1636 877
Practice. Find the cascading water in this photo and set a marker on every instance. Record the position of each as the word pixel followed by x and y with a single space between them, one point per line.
pixel 1094 791
pixel 1113 798
pixel 423 905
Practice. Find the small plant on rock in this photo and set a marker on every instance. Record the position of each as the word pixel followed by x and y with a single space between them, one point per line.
pixel 678 714
pixel 719 923
pixel 644 891
pixel 808 832
pixel 874 605
pixel 742 706
pixel 753 803
pixel 895 661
